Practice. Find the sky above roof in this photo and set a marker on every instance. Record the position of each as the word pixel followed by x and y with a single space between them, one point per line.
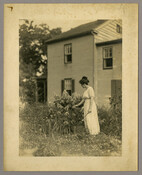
pixel 64 24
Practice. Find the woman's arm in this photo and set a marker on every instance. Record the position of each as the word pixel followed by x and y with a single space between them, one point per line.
pixel 82 101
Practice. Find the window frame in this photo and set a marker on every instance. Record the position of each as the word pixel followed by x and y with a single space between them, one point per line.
pixel 68 62
pixel 104 59
pixel 118 28
pixel 72 85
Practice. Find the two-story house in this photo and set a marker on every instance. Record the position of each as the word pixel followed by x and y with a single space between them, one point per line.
pixel 93 50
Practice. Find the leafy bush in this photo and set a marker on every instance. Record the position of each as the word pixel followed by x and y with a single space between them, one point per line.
pixel 111 119
pixel 57 117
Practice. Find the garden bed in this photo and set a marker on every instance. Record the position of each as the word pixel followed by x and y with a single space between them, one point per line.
pixel 58 129
pixel 79 144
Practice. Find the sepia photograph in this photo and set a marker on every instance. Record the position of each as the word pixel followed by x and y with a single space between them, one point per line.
pixel 71 87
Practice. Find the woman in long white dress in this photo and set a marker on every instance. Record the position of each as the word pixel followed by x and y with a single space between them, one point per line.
pixel 90 108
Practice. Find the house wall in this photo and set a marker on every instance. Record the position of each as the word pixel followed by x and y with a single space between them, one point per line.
pixel 104 77
pixel 82 61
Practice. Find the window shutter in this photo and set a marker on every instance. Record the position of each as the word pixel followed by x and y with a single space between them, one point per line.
pixel 73 86
pixel 116 87
pixel 62 86
pixel 113 87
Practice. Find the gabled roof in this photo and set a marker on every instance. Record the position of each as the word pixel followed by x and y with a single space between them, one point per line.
pixel 81 30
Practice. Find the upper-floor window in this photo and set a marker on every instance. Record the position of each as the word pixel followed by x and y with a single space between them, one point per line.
pixel 68 53
pixel 107 58
pixel 118 28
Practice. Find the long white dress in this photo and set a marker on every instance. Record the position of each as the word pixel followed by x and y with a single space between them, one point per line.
pixel 90 119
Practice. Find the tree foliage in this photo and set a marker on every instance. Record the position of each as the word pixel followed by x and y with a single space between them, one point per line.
pixel 32 47
pixel 33 54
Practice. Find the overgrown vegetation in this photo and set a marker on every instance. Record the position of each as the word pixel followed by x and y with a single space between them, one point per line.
pixel 79 144
pixel 58 117
pixel 111 118
pixel 54 127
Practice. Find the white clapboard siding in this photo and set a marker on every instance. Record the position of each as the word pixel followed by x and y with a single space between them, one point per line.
pixel 107 32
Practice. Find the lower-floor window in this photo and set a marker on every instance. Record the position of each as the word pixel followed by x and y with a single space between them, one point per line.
pixel 68 85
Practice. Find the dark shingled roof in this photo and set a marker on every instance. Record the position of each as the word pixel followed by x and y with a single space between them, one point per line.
pixel 81 30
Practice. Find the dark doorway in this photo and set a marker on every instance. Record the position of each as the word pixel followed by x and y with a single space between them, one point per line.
pixel 41 92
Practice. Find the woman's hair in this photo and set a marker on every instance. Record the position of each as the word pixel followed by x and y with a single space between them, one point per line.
pixel 84 80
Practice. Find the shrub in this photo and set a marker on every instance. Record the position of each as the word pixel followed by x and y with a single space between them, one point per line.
pixel 58 117
pixel 65 116
pixel 111 119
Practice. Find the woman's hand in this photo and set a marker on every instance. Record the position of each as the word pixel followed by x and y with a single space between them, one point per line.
pixel 82 109
pixel 74 106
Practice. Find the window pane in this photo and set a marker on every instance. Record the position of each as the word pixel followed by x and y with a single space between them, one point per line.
pixel 68 49
pixel 68 84
pixel 107 52
pixel 69 58
pixel 109 62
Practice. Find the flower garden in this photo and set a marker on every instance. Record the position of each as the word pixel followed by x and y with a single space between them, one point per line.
pixel 57 129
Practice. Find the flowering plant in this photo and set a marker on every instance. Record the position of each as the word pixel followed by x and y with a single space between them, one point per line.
pixel 57 117
pixel 66 116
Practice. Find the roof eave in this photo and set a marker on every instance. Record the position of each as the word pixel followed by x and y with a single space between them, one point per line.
pixel 109 42
pixel 70 37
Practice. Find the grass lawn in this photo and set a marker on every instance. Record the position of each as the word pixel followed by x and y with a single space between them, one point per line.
pixel 79 144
